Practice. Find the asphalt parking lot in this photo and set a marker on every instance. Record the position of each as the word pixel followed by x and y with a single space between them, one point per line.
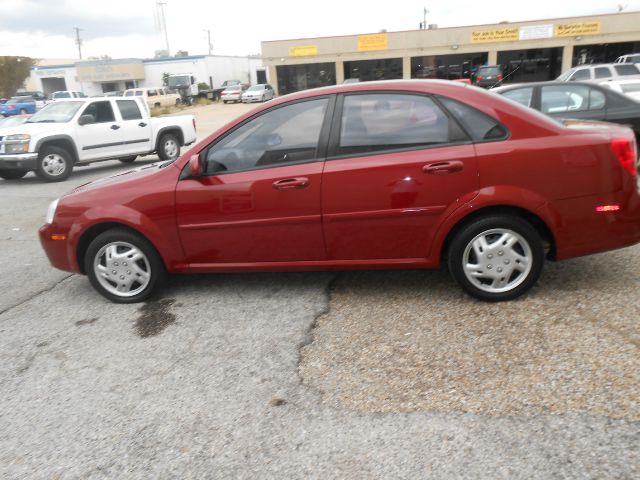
pixel 312 375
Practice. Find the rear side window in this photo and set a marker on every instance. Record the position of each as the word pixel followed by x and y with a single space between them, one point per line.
pixel 628 69
pixel 101 111
pixel 129 109
pixel 570 98
pixel 582 74
pixel 479 126
pixel 602 72
pixel 381 121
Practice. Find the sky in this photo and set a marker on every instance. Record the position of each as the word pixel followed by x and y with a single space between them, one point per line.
pixel 129 28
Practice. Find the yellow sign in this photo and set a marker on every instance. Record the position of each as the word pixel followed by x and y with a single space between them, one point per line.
pixel 375 41
pixel 304 51
pixel 580 28
pixel 495 35
pixel 106 71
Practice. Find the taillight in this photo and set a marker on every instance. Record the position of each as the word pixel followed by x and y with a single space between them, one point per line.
pixel 625 151
pixel 480 77
pixel 499 77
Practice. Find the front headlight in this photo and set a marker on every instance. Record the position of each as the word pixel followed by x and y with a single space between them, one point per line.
pixel 17 143
pixel 51 211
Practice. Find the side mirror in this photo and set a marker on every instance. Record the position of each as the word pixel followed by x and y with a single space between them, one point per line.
pixel 86 119
pixel 195 166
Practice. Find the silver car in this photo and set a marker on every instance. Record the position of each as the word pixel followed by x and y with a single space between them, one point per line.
pixel 603 72
pixel 258 93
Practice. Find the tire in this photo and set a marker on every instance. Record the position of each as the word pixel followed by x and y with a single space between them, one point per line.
pixel 490 270
pixel 224 101
pixel 130 159
pixel 156 105
pixel 134 281
pixel 23 111
pixel 54 164
pixel 177 102
pixel 13 174
pixel 168 147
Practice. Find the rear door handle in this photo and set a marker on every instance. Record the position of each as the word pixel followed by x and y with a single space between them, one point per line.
pixel 142 124
pixel 291 183
pixel 440 168
pixel 115 127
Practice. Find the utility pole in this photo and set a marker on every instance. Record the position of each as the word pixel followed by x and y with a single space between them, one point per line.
pixel 163 25
pixel 209 40
pixel 78 41
pixel 424 18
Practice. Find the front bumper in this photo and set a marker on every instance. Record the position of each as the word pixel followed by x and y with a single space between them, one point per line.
pixel 18 161
pixel 251 99
pixel 58 251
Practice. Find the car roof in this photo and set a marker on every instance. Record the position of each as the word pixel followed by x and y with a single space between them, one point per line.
pixel 535 84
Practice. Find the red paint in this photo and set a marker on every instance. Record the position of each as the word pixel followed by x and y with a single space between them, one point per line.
pixel 390 210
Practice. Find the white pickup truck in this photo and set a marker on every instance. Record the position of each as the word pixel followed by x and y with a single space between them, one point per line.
pixel 86 130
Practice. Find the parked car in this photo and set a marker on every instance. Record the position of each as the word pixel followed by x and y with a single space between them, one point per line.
pixel 631 88
pixel 82 131
pixel 64 94
pixel 489 76
pixel 581 100
pixel 18 106
pixel 39 97
pixel 14 120
pixel 631 58
pixel 232 93
pixel 258 93
pixel 600 73
pixel 395 174
pixel 155 97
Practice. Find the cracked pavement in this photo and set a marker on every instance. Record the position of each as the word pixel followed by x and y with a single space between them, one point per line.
pixel 205 382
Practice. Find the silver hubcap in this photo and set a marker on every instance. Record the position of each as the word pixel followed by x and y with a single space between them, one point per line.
pixel 171 148
pixel 497 260
pixel 122 269
pixel 54 165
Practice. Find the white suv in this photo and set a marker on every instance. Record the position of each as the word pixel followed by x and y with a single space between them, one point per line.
pixel 603 72
pixel 631 58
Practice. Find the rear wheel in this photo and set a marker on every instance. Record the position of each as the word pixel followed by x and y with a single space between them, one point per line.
pixel 23 111
pixel 123 266
pixel 54 164
pixel 13 174
pixel 168 147
pixel 496 258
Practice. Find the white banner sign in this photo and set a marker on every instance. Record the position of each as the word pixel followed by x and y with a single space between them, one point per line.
pixel 534 32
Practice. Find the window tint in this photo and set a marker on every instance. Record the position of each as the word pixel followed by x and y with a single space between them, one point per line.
pixel 520 95
pixel 139 93
pixel 582 74
pixel 564 98
pixel 627 69
pixel 285 135
pixel 129 109
pixel 377 122
pixel 477 124
pixel 128 94
pixel 597 100
pixel 602 72
pixel 101 111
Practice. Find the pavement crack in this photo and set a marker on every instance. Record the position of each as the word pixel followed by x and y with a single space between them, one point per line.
pixel 35 294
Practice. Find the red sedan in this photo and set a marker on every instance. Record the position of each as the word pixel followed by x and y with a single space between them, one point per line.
pixel 399 174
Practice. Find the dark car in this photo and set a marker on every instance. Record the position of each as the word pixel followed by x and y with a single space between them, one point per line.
pixel 395 174
pixel 581 100
pixel 489 76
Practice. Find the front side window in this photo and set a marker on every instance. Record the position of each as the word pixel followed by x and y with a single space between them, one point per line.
pixel 521 95
pixel 387 121
pixel 129 109
pixel 101 112
pixel 285 135
pixel 562 98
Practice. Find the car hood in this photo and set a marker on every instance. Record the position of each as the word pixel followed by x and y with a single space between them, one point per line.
pixel 120 179
pixel 29 128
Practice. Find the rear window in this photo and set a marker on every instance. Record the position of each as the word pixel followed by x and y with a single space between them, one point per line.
pixel 489 71
pixel 628 69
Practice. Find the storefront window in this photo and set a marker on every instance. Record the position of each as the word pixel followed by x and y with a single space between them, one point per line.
pixel 293 78
pixel 602 53
pixel 368 70
pixel 448 67
pixel 533 65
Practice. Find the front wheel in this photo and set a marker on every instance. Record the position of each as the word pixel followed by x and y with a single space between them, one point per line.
pixel 23 111
pixel 123 266
pixel 168 147
pixel 496 258
pixel 54 164
pixel 13 174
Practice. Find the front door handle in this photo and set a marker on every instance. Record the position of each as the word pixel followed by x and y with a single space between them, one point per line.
pixel 142 124
pixel 440 168
pixel 291 183
pixel 115 127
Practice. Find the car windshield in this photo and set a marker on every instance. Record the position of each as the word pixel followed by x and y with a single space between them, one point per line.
pixel 489 71
pixel 233 88
pixel 58 112
pixel 61 95
pixel 255 88
pixel 565 76
pixel 177 82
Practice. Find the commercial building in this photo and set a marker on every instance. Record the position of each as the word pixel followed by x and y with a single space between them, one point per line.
pixel 528 51
pixel 95 77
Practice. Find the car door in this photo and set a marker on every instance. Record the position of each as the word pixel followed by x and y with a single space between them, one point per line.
pixel 572 101
pixel 101 137
pixel 136 130
pixel 259 198
pixel 396 162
